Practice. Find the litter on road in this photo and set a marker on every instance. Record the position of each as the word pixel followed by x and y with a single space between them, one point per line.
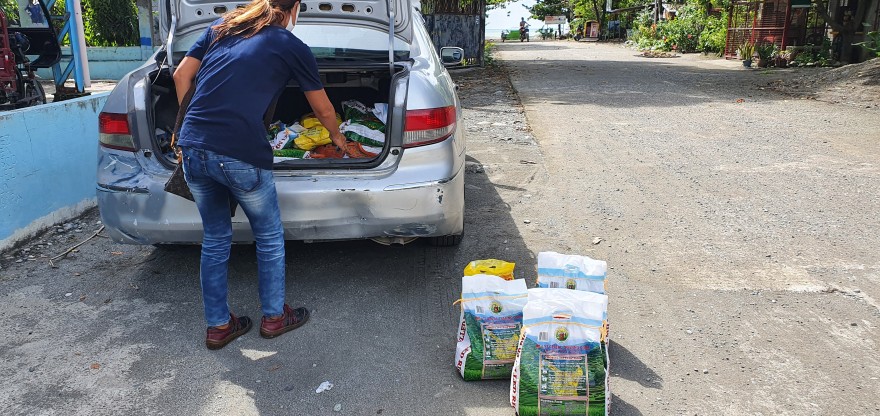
pixel 325 386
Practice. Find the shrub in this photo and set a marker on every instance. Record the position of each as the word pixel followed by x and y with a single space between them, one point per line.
pixel 691 31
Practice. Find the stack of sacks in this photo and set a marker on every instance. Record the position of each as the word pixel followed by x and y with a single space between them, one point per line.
pixel 365 125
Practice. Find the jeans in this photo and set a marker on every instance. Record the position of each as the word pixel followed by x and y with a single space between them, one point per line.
pixel 213 179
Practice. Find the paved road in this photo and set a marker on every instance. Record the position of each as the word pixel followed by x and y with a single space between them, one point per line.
pixel 118 329
pixel 741 225
pixel 741 238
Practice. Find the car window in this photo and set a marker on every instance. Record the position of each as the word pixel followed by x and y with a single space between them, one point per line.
pixel 24 13
pixel 346 37
pixel 333 42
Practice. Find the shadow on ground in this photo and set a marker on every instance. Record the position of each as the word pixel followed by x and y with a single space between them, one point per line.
pixel 383 324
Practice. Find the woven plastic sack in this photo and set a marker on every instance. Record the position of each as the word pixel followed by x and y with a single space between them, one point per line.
pixel 356 111
pixel 494 267
pixel 571 272
pixel 561 365
pixel 370 134
pixel 489 328
pixel 312 138
pixel 309 121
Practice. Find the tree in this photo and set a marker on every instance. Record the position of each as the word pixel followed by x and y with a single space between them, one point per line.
pixel 496 4
pixel 847 29
pixel 544 8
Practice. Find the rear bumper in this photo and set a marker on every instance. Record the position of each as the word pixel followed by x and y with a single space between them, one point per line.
pixel 311 209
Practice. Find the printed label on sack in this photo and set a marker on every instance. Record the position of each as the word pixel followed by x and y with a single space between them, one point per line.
pixel 564 387
pixel 499 348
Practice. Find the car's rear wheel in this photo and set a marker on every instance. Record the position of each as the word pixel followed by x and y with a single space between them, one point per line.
pixel 447 240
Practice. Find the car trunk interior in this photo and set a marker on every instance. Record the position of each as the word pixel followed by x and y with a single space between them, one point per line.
pixel 368 86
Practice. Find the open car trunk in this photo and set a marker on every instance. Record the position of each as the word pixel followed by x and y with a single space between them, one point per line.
pixel 369 85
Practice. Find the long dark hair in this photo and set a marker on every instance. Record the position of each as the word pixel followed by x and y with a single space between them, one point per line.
pixel 249 20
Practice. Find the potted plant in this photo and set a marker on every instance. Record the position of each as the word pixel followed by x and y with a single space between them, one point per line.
pixel 766 51
pixel 746 52
pixel 782 58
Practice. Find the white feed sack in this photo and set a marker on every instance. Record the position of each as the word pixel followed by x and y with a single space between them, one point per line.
pixel 568 271
pixel 561 365
pixel 489 329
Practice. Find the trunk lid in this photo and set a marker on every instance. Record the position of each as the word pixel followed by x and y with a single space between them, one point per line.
pixel 180 17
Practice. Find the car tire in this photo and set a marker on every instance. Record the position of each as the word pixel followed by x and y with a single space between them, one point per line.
pixel 447 240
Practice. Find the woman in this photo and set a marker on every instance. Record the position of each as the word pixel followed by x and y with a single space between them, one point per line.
pixel 238 67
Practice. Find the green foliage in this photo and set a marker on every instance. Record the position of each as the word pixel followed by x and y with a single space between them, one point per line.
pixel 746 51
pixel 106 22
pixel 545 33
pixel 543 8
pixel 713 37
pixel 111 22
pixel 693 30
pixel 10 8
pixel 683 33
pixel 766 50
pixel 813 55
pixel 495 4
pixel 872 42
pixel 488 53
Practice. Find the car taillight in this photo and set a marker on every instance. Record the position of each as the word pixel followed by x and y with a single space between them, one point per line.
pixel 114 131
pixel 429 126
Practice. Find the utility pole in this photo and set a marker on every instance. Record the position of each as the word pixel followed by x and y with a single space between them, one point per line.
pixel 145 27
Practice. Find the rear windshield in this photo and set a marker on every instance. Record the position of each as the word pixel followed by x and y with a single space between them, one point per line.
pixel 328 42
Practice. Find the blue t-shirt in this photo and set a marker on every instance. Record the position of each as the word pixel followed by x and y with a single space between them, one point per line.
pixel 236 82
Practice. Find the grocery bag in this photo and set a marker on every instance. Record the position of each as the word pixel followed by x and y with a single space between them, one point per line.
pixel 309 121
pixel 571 272
pixel 494 267
pixel 489 328
pixel 561 362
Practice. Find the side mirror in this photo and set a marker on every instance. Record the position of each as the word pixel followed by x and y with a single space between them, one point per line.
pixel 452 56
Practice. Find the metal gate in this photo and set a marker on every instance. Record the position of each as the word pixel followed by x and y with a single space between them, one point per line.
pixel 460 23
pixel 783 22
pixel 756 21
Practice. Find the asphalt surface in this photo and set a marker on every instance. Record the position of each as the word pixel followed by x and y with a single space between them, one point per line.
pixel 739 225
pixel 118 329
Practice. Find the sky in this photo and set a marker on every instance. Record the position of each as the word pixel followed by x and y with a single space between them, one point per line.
pixel 508 17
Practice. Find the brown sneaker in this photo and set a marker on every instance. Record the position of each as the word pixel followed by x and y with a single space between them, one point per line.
pixel 218 338
pixel 290 320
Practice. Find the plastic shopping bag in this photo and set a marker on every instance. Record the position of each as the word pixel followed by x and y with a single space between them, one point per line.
pixel 490 266
pixel 310 121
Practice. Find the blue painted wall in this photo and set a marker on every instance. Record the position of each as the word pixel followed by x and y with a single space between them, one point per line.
pixel 48 156
pixel 107 63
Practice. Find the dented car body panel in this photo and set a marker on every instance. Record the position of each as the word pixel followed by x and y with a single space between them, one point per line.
pixel 411 192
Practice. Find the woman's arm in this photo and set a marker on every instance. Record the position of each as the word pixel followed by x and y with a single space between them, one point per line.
pixel 184 76
pixel 326 114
